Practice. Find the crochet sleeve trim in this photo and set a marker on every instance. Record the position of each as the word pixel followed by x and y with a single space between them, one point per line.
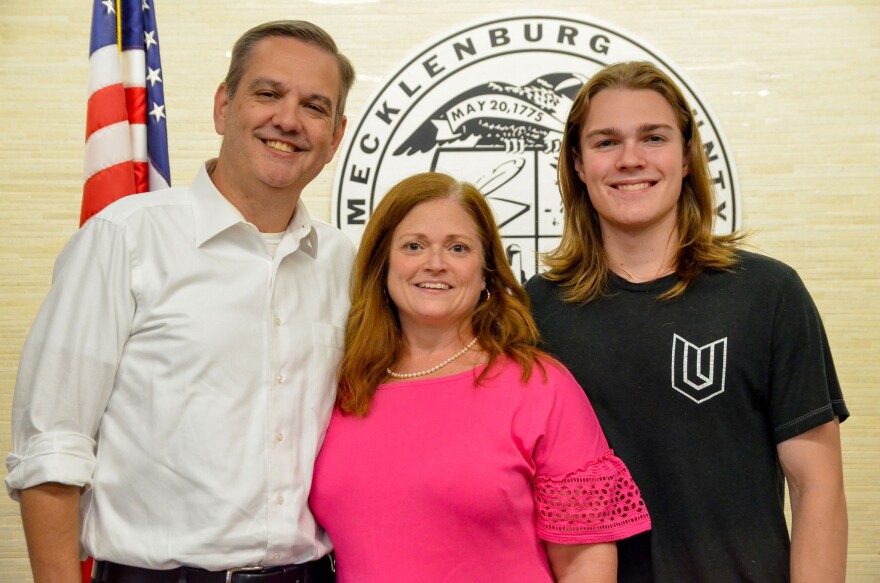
pixel 598 503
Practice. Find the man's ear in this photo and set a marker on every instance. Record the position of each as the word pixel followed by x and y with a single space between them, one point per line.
pixel 337 138
pixel 685 167
pixel 221 103
pixel 579 165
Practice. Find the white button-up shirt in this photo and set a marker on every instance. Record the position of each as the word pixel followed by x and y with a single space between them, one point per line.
pixel 185 378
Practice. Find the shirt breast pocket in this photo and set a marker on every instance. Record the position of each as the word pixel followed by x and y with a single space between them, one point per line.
pixel 328 335
pixel 329 341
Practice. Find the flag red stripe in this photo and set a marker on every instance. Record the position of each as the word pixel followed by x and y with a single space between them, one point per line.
pixel 106 107
pixel 141 176
pixel 105 187
pixel 136 102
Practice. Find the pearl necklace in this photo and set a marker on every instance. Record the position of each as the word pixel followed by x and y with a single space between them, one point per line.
pixel 409 375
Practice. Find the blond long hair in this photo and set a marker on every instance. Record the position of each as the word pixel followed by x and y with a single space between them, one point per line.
pixel 502 322
pixel 580 263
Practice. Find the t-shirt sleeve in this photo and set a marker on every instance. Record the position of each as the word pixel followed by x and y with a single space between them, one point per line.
pixel 805 392
pixel 583 493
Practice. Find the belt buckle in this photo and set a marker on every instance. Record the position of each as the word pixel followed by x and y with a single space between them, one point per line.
pixel 231 572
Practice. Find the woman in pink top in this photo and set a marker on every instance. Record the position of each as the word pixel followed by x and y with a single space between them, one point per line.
pixel 458 451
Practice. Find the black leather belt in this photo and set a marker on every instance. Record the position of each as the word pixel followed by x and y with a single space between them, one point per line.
pixel 320 571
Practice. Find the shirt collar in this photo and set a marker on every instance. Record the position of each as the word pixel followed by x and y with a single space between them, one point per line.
pixel 301 232
pixel 213 214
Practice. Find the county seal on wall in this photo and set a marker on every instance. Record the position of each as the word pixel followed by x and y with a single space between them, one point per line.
pixel 488 104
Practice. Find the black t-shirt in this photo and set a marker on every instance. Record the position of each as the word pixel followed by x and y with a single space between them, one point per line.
pixel 694 394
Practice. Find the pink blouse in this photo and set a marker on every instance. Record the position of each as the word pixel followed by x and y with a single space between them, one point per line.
pixel 445 481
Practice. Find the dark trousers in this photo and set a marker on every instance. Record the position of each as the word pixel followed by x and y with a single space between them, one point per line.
pixel 321 571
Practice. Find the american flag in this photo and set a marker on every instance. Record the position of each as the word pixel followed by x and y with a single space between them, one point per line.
pixel 126 133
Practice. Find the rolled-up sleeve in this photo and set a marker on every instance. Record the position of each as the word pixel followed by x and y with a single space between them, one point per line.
pixel 69 360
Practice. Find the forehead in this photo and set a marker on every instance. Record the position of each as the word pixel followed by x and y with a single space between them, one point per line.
pixel 621 108
pixel 439 217
pixel 294 63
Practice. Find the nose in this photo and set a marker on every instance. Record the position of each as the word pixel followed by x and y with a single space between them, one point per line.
pixel 288 117
pixel 435 260
pixel 631 155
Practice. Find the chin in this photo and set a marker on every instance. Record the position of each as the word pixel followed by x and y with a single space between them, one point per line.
pixel 274 180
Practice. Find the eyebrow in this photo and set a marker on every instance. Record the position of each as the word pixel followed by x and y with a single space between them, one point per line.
pixel 448 237
pixel 642 129
pixel 265 82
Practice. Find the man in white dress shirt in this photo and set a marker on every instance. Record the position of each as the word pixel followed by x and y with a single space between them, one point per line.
pixel 176 385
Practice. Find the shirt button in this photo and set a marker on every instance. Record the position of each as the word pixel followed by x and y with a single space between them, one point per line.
pixel 277 321
pixel 279 500
pixel 279 437
pixel 279 379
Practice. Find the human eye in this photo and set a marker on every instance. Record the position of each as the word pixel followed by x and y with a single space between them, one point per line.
pixel 603 144
pixel 316 107
pixel 459 248
pixel 412 246
pixel 656 139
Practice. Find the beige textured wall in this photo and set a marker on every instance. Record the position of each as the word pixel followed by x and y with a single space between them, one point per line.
pixel 794 84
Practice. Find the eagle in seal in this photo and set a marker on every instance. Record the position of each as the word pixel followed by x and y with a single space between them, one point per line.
pixel 500 115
